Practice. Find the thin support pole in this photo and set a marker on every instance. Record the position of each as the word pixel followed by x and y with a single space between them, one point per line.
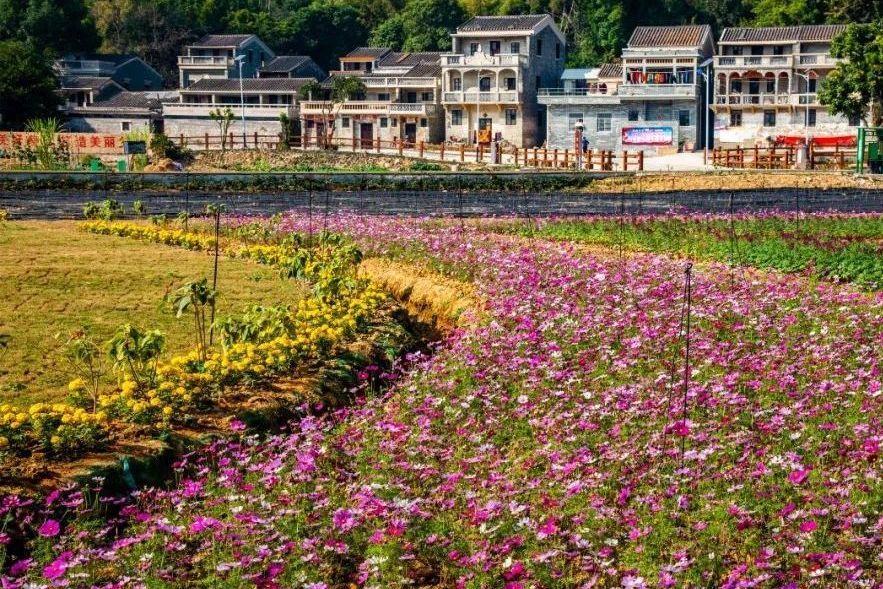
pixel 688 288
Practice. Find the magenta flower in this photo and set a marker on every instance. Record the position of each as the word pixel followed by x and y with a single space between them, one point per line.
pixel 798 477
pixel 49 529
pixel 58 566
pixel 809 525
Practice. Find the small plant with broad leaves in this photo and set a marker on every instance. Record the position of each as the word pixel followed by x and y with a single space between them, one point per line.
pixel 87 362
pixel 195 298
pixel 135 353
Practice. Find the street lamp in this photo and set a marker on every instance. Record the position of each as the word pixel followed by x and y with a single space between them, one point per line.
pixel 806 78
pixel 239 59
pixel 703 71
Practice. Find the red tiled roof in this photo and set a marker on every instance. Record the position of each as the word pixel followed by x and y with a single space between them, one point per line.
pixel 671 36
pixel 772 34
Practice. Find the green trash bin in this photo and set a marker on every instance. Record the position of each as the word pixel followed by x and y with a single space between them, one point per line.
pixel 121 166
pixel 95 164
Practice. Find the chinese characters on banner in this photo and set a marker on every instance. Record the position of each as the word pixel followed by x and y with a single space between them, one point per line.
pixel 647 136
pixel 93 143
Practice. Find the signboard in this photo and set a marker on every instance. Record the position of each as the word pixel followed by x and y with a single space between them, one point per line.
pixel 134 147
pixel 76 142
pixel 647 136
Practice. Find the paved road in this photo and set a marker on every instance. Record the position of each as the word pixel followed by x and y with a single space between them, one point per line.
pixel 66 204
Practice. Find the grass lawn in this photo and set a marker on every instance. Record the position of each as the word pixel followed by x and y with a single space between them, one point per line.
pixel 54 279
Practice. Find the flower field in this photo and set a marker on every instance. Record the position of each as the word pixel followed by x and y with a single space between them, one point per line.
pixel 563 437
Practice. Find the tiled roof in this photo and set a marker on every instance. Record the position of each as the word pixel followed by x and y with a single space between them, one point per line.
pixel 223 40
pixel 285 63
pixel 523 22
pixel 424 70
pixel 671 36
pixel 249 85
pixel 129 103
pixel 90 82
pixel 114 58
pixel 373 52
pixel 409 59
pixel 610 70
pixel 767 34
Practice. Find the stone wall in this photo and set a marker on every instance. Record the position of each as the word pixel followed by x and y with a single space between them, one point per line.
pixel 112 125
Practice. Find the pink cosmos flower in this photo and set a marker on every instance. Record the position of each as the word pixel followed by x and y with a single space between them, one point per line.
pixel 797 477
pixel 49 529
pixel 809 525
pixel 58 566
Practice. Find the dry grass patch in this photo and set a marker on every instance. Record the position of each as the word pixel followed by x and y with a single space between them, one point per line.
pixel 55 278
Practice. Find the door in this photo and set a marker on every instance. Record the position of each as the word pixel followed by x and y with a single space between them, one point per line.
pixel 411 97
pixel 410 133
pixel 485 129
pixel 366 133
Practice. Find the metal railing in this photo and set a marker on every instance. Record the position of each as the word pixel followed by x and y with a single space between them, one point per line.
pixel 484 60
pixel 221 60
pixel 471 97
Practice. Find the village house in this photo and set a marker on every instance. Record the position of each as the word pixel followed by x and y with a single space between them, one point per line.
pixel 265 95
pixel 401 102
pixel 654 99
pixel 491 77
pixel 767 81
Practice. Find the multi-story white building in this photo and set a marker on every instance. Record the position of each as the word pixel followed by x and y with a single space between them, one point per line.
pixel 653 99
pixel 767 81
pixel 210 82
pixel 400 102
pixel 491 77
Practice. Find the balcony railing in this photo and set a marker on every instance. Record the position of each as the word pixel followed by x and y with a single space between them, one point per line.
pixel 484 60
pixel 657 90
pixel 202 109
pixel 807 98
pixel 207 60
pixel 397 82
pixel 572 92
pixel 774 61
pixel 472 97
pixel 367 108
pixel 781 99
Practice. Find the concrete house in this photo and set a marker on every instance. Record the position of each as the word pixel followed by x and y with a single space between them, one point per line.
pixel 653 100
pixel 218 56
pixel 401 102
pixel 766 84
pixel 265 99
pixel 491 77
pixel 122 113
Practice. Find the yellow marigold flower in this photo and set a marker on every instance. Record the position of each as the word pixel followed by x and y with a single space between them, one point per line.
pixel 167 411
pixel 4 442
pixel 77 384
pixel 55 440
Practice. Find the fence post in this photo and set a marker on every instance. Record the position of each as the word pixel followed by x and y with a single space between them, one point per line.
pixel 641 161
pixel 377 145
pixel 625 161
pixel 589 163
pixel 516 156
pixel 420 150
pixel 566 158
pixel 545 158
pixel 479 152
pixel 555 158
pixel 441 151
pixel 401 145
pixel 756 154
pixel 841 163
pixel 206 141
pixel 181 140
pixel 462 152
pixel 812 156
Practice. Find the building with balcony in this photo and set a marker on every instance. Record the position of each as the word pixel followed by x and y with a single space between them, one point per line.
pixel 766 84
pixel 218 56
pixel 652 99
pixel 491 77
pixel 260 103
pixel 401 102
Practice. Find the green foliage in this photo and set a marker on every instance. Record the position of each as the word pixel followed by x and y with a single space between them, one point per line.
pixel 135 353
pixel 855 87
pixel 256 325
pixel 28 83
pixel 55 26
pixel 86 361
pixel 139 208
pixel 223 118
pixel 423 25
pixel 195 297
pixel 426 167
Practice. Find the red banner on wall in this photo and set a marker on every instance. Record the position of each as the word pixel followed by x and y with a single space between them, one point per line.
pixel 93 143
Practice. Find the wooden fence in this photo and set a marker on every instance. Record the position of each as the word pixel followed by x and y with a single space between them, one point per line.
pixel 538 157
pixel 783 158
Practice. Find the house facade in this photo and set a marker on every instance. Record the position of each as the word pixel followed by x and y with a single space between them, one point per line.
pixel 219 57
pixel 124 112
pixel 492 75
pixel 653 99
pixel 401 102
pixel 767 81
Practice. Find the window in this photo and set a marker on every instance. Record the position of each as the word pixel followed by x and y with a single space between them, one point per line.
pixel 658 112
pixel 557 50
pixel 457 84
pixel 426 96
pixel 394 121
pixel 511 116
pixel 574 118
pixel 473 48
pixel 736 118
pixel 855 121
pixel 634 115
pixel 779 50
pixel 736 86
pixel 383 96
pixel 737 50
pixel 757 50
pixel 484 84
pixel 771 85
pixel 811 117
pixel 345 122
pixel 494 47
pixel 539 46
pixel 769 118
pixel 515 48
pixel 510 84
pixel 384 122
pixel 605 122
pixel 684 118
pixel 813 82
pixel 456 117
pixel 424 123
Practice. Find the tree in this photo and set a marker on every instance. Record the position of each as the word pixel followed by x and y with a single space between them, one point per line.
pixel 423 25
pixel 331 99
pixel 28 84
pixel 778 13
pixel 223 118
pixel 855 87
pixel 55 26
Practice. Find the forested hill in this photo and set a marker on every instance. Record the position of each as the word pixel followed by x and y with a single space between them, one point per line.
pixel 325 29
